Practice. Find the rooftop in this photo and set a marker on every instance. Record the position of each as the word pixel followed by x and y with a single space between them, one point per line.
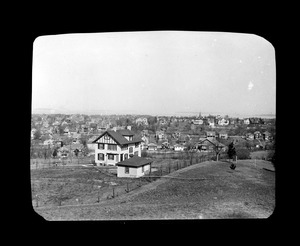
pixel 118 136
pixel 135 161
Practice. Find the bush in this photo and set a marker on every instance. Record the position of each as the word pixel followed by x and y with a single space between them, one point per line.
pixel 270 155
pixel 243 154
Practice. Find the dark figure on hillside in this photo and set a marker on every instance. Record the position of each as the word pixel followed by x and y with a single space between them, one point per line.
pixel 231 153
pixel 231 150
pixel 232 166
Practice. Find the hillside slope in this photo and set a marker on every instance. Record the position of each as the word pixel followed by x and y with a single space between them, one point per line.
pixel 206 190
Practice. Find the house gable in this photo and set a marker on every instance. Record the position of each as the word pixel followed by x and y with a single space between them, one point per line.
pixel 105 138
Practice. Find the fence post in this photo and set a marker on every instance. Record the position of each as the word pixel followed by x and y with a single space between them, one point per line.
pixel 113 192
pixel 37 203
pixel 98 195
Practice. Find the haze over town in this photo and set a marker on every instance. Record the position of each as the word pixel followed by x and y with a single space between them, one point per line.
pixel 156 73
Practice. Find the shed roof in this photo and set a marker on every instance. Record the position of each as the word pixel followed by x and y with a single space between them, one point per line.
pixel 135 161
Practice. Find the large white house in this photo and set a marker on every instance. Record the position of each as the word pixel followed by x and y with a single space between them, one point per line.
pixel 112 147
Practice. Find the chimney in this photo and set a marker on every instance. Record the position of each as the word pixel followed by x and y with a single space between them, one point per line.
pixel 129 128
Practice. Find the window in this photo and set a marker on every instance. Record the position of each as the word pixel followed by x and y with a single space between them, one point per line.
pixel 136 145
pixel 125 156
pixel 136 153
pixel 101 157
pixel 126 169
pixel 125 147
pixel 130 149
pixel 112 147
pixel 100 146
pixel 110 157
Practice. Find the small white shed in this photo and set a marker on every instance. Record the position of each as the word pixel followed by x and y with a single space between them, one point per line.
pixel 133 167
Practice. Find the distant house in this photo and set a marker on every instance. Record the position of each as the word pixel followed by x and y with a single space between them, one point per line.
pixel 145 139
pixel 162 121
pixel 160 134
pixel 49 142
pixel 211 134
pixel 211 122
pixel 223 135
pixel 64 123
pixel 249 136
pixel 56 123
pixel 66 130
pixel 223 122
pixel 232 121
pixel 84 128
pixel 144 145
pixel 33 130
pixel 142 121
pixel 178 147
pixel 256 121
pixel 257 135
pixel 133 167
pixel 165 145
pixel 63 152
pixel 210 145
pixel 176 135
pixel 76 147
pixel 246 121
pixel 145 133
pixel 267 136
pixel 152 146
pixel 197 122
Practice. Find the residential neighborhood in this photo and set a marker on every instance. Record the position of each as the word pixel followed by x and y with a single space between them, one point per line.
pixel 153 125
pixel 109 139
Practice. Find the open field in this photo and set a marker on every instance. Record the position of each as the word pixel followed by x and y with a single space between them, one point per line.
pixel 262 155
pixel 208 190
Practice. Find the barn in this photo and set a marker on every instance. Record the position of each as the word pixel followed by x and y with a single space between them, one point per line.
pixel 133 167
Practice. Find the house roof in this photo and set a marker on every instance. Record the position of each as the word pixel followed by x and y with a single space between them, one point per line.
pixel 119 138
pixel 125 132
pixel 135 161
pixel 178 145
pixel 213 141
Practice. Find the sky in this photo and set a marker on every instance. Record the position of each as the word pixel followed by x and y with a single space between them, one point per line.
pixel 155 72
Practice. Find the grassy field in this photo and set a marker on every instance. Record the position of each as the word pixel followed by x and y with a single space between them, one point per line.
pixel 60 186
pixel 209 190
pixel 262 155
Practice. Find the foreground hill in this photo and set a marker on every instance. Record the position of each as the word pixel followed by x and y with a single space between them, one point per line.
pixel 206 190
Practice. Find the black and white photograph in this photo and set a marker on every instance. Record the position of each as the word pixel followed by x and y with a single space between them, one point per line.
pixel 153 125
